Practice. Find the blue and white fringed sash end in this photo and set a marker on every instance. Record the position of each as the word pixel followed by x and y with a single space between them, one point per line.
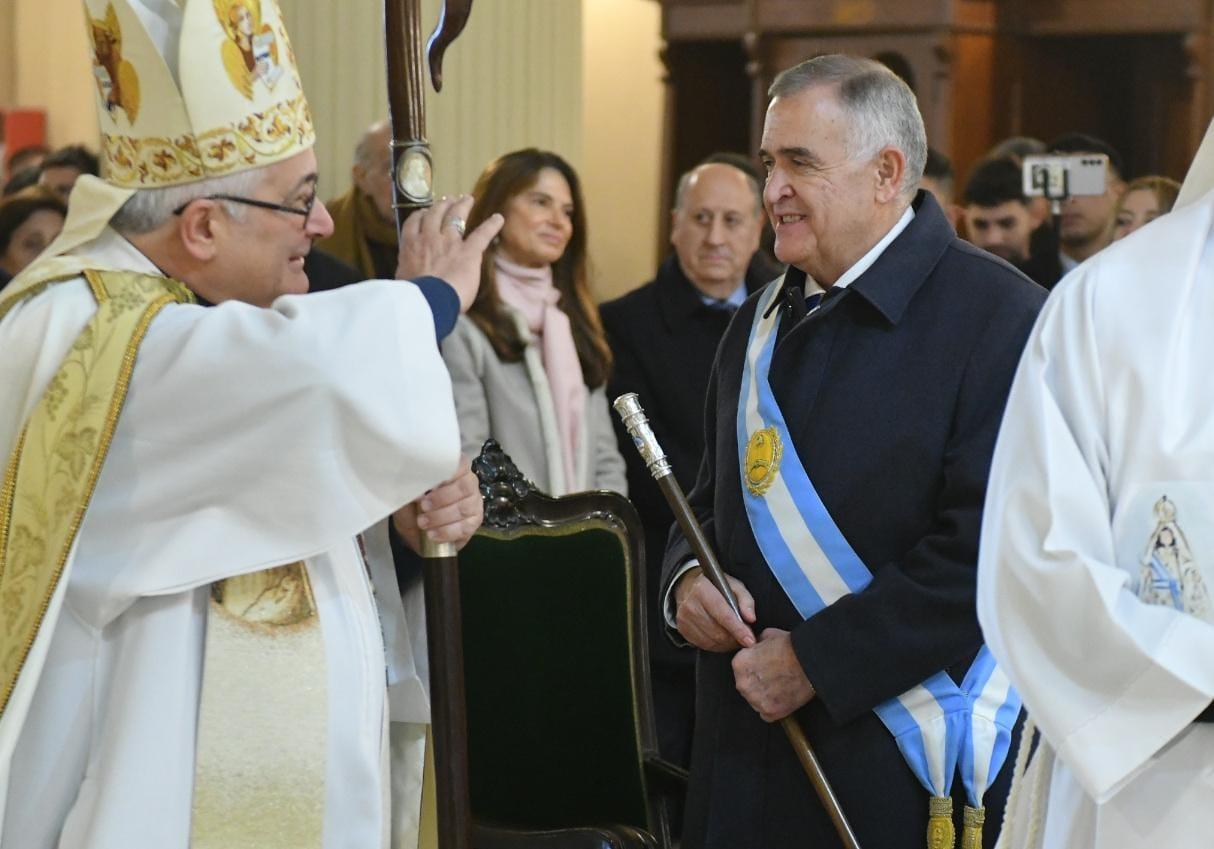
pixel 939 727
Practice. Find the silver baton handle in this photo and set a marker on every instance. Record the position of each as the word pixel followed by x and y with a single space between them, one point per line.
pixel 629 409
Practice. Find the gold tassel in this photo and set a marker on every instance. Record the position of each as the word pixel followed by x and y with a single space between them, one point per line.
pixel 940 831
pixel 971 827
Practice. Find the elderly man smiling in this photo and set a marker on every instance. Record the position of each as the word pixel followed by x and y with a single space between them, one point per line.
pixel 850 422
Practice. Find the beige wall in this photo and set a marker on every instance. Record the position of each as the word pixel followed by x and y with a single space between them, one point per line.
pixel 622 116
pixel 8 62
pixel 50 67
pixel 581 78
pixel 513 79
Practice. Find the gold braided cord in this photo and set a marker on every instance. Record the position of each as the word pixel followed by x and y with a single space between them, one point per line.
pixel 6 498
pixel 972 820
pixel 1041 772
pixel 1024 814
pixel 940 831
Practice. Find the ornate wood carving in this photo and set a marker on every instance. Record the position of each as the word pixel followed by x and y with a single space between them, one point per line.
pixel 503 487
pixel 512 501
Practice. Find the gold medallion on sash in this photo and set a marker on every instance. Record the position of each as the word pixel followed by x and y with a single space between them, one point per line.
pixel 762 460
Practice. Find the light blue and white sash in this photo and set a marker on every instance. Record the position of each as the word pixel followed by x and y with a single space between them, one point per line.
pixel 1161 579
pixel 940 727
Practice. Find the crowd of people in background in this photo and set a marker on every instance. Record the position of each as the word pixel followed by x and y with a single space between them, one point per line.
pixel 992 210
pixel 33 203
pixel 997 215
pixel 532 363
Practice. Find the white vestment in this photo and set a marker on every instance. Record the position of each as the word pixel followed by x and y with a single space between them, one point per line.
pixel 1109 426
pixel 250 438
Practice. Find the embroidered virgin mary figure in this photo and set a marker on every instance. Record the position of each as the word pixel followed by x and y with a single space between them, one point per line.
pixel 1170 576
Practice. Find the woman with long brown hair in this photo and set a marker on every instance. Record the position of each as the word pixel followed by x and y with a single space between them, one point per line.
pixel 529 361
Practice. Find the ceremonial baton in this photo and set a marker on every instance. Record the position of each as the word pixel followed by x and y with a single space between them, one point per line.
pixel 448 706
pixel 629 409
pixel 412 189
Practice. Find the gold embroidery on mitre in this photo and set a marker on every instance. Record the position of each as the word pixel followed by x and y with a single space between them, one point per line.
pixel 940 831
pixel 145 162
pixel 221 97
pixel 250 54
pixel 117 82
pixel 762 460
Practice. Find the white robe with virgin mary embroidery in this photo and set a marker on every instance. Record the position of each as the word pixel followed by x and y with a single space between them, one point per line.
pixel 1112 410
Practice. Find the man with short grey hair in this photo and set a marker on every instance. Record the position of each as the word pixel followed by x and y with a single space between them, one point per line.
pixel 850 421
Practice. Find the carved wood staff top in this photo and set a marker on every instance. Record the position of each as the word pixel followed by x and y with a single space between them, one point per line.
pixel 412 166
pixel 451 23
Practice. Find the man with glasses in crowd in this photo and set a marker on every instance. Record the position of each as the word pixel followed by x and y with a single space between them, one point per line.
pixel 203 642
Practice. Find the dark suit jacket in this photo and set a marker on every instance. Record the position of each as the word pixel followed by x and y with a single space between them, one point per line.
pixel 326 271
pixel 663 338
pixel 893 391
pixel 1043 266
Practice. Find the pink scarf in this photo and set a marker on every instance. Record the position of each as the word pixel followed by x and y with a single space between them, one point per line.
pixel 532 293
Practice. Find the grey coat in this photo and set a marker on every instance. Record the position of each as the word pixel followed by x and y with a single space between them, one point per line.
pixel 510 402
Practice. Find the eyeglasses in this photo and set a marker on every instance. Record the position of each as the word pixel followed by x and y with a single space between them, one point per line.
pixel 305 210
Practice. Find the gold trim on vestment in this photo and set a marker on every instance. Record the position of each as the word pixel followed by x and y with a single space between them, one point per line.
pixel 6 503
pixel 53 468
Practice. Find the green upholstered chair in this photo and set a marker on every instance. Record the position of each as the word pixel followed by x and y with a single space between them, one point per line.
pixel 562 748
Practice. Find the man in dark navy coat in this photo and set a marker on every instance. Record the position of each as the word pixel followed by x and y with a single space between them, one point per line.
pixel 892 380
pixel 663 338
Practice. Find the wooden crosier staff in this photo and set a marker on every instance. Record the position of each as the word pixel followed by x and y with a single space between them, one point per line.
pixel 629 409
pixel 412 189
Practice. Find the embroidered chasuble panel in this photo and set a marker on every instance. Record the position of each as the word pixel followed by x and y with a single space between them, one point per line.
pixel 53 469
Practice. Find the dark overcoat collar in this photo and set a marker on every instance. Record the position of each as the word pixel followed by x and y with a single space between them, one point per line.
pixel 892 281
